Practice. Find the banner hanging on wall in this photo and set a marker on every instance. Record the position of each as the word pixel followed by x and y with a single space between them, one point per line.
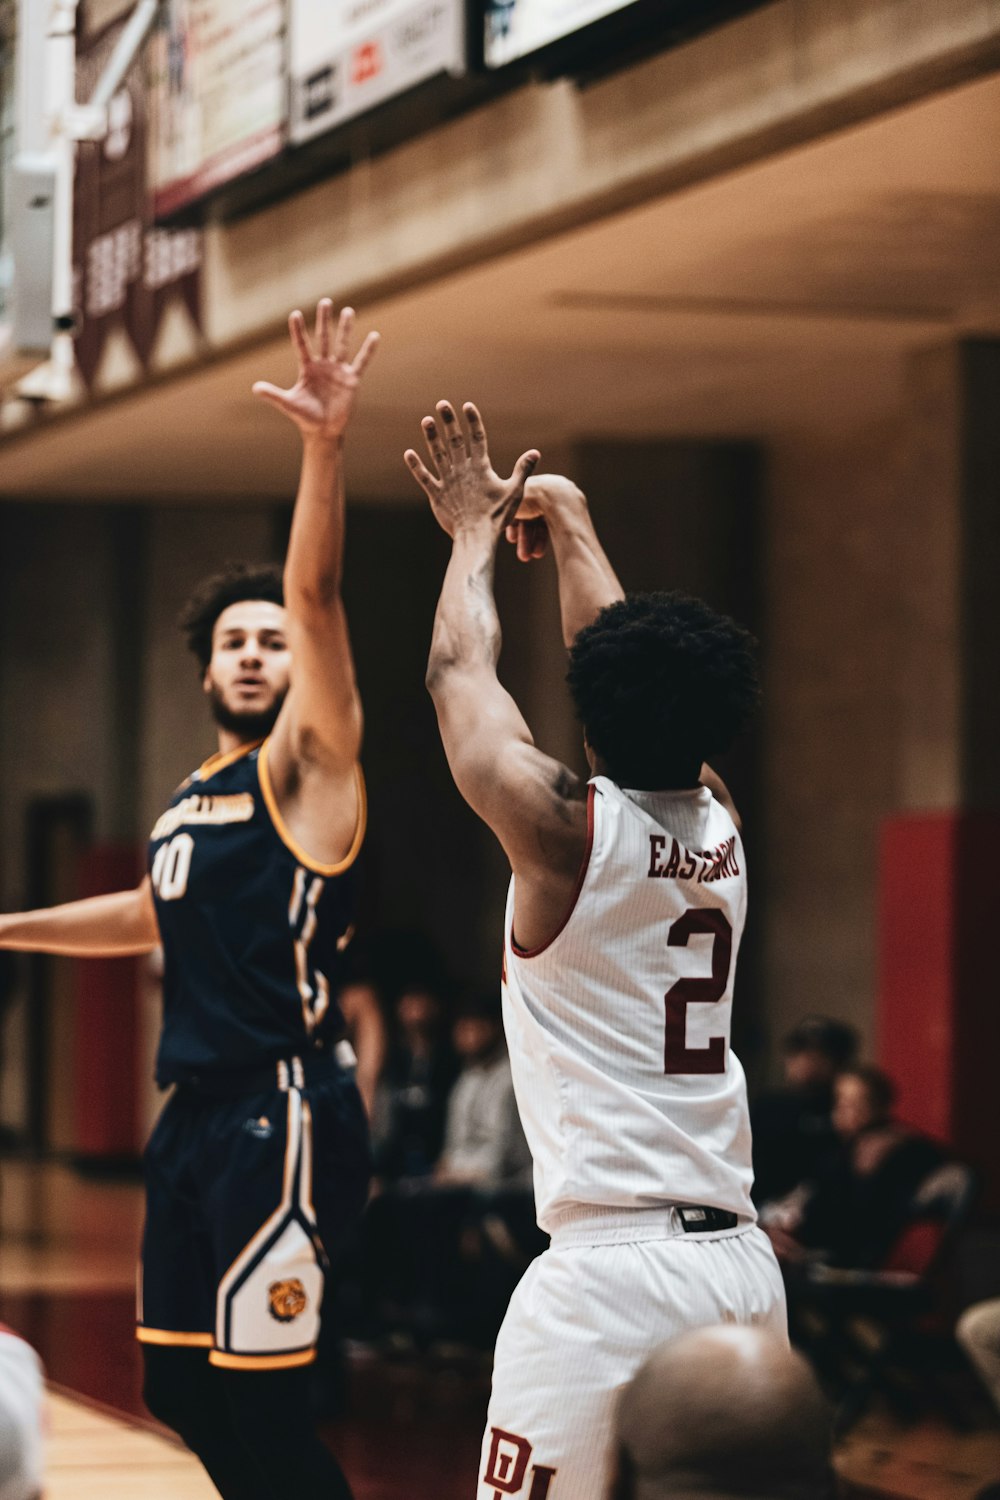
pixel 517 27
pixel 126 271
pixel 218 101
pixel 347 56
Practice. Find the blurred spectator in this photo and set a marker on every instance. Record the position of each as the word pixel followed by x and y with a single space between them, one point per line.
pixel 792 1125
pixel 723 1413
pixel 424 1263
pixel 484 1144
pixel 20 1419
pixel 413 1096
pixel 978 1332
pixel 857 1201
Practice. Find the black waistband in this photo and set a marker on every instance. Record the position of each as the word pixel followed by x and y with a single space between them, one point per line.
pixel 283 1073
pixel 701 1220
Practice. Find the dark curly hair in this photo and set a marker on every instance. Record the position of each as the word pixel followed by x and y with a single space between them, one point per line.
pixel 662 683
pixel 235 583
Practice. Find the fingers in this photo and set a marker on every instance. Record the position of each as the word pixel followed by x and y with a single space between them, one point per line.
pixel 366 352
pixel 477 432
pixel 538 539
pixel 421 473
pixel 453 431
pixel 524 468
pixel 297 329
pixel 272 394
pixel 324 312
pixel 345 326
pixel 437 445
pixel 530 539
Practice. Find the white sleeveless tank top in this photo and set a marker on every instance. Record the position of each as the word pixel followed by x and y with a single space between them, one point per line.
pixel 618 1029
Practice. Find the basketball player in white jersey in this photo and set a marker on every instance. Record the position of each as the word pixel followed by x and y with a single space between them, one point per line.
pixel 623 924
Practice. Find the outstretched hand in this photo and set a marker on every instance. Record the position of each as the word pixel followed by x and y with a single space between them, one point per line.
pixel 321 400
pixel 464 489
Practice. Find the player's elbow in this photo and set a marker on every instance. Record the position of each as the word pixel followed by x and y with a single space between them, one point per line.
pixel 312 596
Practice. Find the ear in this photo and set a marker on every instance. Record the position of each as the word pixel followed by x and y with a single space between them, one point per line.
pixel 206 680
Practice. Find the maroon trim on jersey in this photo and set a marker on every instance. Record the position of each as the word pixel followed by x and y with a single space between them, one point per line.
pixel 534 952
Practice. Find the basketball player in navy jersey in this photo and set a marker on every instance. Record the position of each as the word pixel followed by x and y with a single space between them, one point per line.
pixel 624 918
pixel 260 1160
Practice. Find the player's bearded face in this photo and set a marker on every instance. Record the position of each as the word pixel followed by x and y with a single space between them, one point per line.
pixel 248 676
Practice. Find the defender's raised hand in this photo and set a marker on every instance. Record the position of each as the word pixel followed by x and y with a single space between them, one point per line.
pixel 464 490
pixel 320 401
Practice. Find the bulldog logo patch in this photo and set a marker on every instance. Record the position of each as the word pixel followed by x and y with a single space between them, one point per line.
pixel 286 1300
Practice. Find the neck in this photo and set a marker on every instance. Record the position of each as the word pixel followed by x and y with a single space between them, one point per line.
pixel 229 741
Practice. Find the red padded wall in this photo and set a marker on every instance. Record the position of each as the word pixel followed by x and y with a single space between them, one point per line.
pixel 939 983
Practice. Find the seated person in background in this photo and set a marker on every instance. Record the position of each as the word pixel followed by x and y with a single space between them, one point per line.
pixel 792 1125
pixel 21 1394
pixel 721 1413
pixel 856 1203
pixel 423 1244
pixel 484 1144
pixel 413 1097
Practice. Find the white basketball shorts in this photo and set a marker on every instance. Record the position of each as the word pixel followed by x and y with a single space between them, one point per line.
pixel 583 1319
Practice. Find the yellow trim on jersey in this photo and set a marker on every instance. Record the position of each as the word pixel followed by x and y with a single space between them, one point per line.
pixel 261 1361
pixel 180 1340
pixel 285 836
pixel 220 760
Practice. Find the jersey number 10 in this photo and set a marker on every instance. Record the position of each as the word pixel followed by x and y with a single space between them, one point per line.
pixel 678 1057
pixel 171 867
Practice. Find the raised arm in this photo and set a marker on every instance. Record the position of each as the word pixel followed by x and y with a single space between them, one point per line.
pixel 554 511
pixel 321 721
pixel 117 925
pixel 534 804
pixel 587 581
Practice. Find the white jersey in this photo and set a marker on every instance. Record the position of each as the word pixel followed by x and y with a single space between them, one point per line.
pixel 618 1029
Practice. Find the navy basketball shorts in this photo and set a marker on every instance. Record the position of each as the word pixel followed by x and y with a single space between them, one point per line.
pixel 247 1196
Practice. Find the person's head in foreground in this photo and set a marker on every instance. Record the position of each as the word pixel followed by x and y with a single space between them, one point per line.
pixel 661 684
pixel 20 1419
pixel 236 626
pixel 722 1414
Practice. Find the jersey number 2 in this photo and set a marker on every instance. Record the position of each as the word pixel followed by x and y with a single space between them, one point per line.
pixel 678 1057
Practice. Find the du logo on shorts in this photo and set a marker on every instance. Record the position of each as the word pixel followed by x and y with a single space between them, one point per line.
pixel 507 1467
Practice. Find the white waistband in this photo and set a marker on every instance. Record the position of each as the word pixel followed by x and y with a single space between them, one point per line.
pixel 591 1224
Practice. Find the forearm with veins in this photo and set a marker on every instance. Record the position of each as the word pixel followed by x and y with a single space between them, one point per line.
pixel 467 626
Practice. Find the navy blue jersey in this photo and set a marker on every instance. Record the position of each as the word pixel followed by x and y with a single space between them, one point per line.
pixel 252 928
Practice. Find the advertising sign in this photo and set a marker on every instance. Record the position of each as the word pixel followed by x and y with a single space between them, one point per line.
pixel 125 270
pixel 516 27
pixel 349 55
pixel 217 94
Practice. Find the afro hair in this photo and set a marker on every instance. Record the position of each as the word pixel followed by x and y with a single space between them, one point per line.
pixel 661 684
